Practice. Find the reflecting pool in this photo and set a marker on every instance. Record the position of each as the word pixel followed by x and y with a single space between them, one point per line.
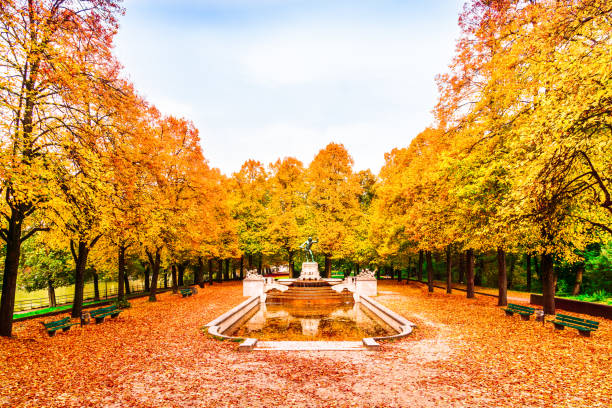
pixel 320 322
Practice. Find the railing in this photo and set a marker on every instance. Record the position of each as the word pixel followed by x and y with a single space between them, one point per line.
pixel 105 293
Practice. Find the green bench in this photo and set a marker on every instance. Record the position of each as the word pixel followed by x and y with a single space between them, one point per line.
pixel 186 292
pixel 584 327
pixel 99 314
pixel 54 326
pixel 524 311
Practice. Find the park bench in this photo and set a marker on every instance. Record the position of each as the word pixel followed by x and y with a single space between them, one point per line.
pixel 524 311
pixel 186 292
pixel 584 327
pixel 63 324
pixel 99 314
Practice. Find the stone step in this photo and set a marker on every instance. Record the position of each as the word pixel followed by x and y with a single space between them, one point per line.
pixel 310 346
pixel 309 296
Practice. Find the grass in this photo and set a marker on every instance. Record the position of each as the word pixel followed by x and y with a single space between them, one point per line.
pixel 53 309
pixel 601 296
pixel 64 294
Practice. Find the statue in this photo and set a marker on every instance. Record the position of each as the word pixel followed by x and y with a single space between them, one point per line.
pixel 306 247
pixel 366 274
pixel 253 274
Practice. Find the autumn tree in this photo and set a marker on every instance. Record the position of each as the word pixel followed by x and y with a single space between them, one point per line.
pixel 249 201
pixel 287 212
pixel 511 99
pixel 37 42
pixel 334 197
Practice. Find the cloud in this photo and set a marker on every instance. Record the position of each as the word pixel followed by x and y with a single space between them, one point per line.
pixel 288 80
pixel 366 141
pixel 355 53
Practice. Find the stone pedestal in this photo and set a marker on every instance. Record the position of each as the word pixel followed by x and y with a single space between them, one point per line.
pixel 253 287
pixel 366 286
pixel 310 271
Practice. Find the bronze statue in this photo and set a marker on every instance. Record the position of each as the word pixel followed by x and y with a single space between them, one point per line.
pixel 306 246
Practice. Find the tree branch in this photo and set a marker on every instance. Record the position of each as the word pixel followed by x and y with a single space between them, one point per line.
pixel 32 232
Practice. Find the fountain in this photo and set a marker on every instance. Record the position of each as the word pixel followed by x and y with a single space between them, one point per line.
pixel 323 314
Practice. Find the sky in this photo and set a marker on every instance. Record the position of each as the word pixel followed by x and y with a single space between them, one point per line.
pixel 267 79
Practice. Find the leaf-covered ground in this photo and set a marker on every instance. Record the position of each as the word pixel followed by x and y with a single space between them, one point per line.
pixel 464 353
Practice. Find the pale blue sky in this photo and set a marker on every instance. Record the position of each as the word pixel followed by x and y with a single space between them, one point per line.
pixel 265 79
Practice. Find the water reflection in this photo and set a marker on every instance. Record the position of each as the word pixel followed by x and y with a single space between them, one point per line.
pixel 293 322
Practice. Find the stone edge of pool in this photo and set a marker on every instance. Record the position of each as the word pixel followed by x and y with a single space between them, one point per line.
pixel 219 325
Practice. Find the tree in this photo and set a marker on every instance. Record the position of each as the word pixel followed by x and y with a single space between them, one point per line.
pixel 511 104
pixel 45 267
pixel 334 198
pixel 250 199
pixel 287 210
pixel 38 42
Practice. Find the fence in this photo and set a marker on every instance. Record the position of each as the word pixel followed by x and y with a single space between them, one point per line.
pixel 105 293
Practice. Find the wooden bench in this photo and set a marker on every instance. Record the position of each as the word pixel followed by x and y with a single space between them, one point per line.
pixel 99 314
pixel 63 324
pixel 186 292
pixel 584 327
pixel 524 311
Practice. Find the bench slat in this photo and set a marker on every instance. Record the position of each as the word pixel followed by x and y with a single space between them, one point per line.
pixel 562 317
pixel 519 307
pixel 56 323
pixel 574 326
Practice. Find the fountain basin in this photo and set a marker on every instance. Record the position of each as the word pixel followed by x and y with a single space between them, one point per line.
pixel 325 322
pixel 317 314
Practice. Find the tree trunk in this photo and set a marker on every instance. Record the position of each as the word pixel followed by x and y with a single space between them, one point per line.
pixel 220 270
pixel 200 273
pixel 511 270
pixel 408 269
pixel 155 261
pixel 291 268
pixel 241 267
pixel 579 273
pixel 96 288
pixel 420 267
pixel 79 254
pixel 430 287
pixel 259 262
pixel 146 278
pixel 548 283
pixel 181 274
pixel 51 294
pixel 479 272
pixel 120 272
pixel 174 279
pixel 461 267
pixel 210 272
pixel 327 273
pixel 165 280
pixel 126 281
pixel 378 273
pixel 250 262
pixel 399 274
pixel 528 268
pixel 469 271
pixel 502 278
pixel 449 271
pixel 11 268
pixel 226 275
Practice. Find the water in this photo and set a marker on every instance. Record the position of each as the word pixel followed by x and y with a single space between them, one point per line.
pixel 308 323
